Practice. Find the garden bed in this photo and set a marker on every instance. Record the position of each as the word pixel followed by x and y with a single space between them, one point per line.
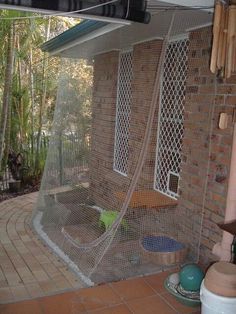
pixel 6 195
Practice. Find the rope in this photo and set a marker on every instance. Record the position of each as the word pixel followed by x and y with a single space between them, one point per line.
pixel 128 10
pixel 207 173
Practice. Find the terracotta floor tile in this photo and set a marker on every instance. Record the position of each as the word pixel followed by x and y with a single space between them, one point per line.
pixel 27 307
pixel 119 309
pixel 66 303
pixel 150 305
pixel 133 288
pixel 97 297
pixel 177 305
pixel 157 281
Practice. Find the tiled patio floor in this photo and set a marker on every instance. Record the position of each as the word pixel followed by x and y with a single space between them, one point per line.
pixel 137 296
pixel 27 268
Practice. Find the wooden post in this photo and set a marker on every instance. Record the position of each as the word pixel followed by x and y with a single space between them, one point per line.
pixel 216 34
pixel 234 40
pixel 223 56
pixel 220 56
pixel 230 40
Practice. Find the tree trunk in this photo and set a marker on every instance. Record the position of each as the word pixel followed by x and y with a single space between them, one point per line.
pixel 60 153
pixel 7 91
pixel 43 100
pixel 31 79
pixel 19 99
pixel 9 113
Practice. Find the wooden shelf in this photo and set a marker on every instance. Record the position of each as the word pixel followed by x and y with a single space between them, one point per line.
pixel 148 199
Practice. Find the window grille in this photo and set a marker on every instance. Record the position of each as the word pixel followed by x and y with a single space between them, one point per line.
pixel 121 149
pixel 171 112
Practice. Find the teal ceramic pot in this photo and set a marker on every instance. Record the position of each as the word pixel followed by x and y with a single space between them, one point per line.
pixel 191 277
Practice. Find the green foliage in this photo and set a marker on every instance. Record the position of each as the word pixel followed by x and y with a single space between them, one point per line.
pixel 34 89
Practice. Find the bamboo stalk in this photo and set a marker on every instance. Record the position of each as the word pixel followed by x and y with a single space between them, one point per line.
pixel 230 40
pixel 234 56
pixel 223 56
pixel 220 60
pixel 216 33
pixel 234 41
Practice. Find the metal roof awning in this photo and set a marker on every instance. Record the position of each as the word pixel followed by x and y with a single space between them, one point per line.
pixel 74 33
pixel 90 38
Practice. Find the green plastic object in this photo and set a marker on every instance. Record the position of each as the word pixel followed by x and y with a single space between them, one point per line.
pixel 191 277
pixel 107 218
pixel 182 299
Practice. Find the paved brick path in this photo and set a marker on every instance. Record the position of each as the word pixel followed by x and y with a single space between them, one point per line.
pixel 28 269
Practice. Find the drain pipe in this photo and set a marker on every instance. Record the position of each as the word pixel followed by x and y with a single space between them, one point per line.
pixel 223 250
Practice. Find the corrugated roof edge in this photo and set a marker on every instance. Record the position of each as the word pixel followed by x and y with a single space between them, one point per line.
pixel 72 34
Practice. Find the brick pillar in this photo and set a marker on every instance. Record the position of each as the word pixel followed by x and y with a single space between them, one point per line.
pixel 206 97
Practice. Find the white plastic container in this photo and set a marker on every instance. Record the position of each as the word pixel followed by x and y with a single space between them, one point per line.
pixel 216 304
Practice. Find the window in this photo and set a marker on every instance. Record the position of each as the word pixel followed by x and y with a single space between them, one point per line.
pixel 121 149
pixel 170 126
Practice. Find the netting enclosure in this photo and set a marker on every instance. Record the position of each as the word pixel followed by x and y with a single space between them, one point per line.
pixel 108 202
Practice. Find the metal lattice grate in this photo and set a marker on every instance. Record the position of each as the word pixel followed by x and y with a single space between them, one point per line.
pixel 121 149
pixel 170 128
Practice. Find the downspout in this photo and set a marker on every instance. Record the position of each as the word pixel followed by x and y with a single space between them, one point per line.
pixel 223 249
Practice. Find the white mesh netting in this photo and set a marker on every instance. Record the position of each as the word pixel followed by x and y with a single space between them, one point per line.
pixel 108 203
pixel 171 117
pixel 123 107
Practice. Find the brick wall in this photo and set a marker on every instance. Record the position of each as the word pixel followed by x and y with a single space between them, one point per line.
pixel 103 126
pixel 206 97
pixel 145 63
pixel 104 180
